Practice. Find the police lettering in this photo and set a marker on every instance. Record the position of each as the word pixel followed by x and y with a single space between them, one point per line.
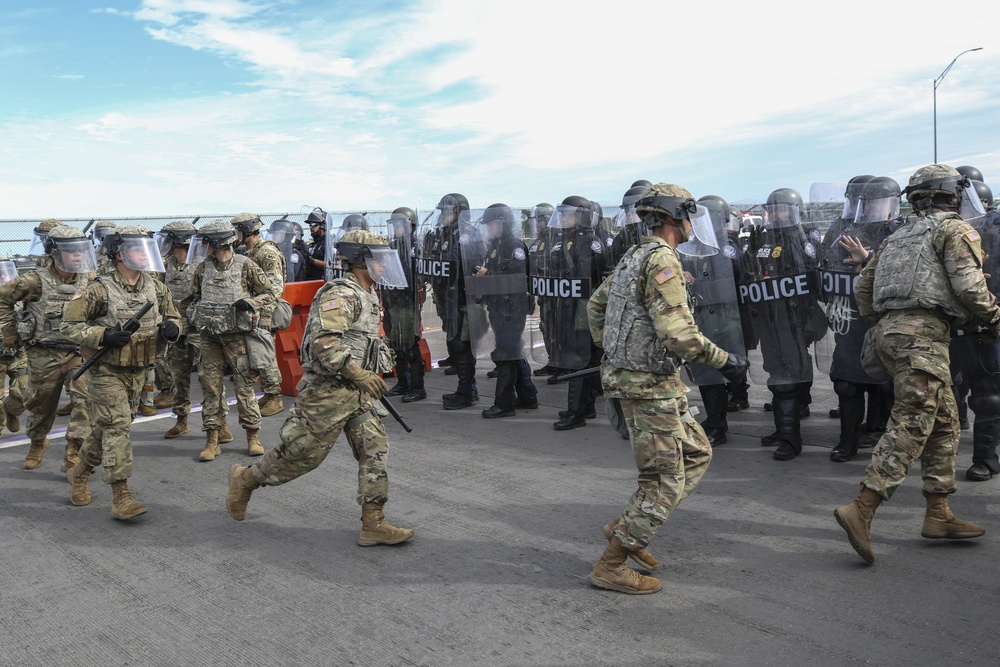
pixel 840 284
pixel 565 288
pixel 775 289
pixel 434 268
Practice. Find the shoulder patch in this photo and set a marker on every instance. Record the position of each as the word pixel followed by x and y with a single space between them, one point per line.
pixel 973 235
pixel 518 253
pixel 664 276
pixel 330 305
pixel 596 246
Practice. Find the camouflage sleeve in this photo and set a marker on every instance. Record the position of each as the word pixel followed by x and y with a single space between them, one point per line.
pixel 23 288
pixel 165 304
pixel 86 306
pixel 960 248
pixel 864 288
pixel 255 281
pixel 597 310
pixel 665 296
pixel 193 297
pixel 272 262
pixel 338 310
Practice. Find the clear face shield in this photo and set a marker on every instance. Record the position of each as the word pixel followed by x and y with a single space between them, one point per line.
pixel 100 233
pixel 972 205
pixel 75 255
pixel 37 247
pixel 445 217
pixel 382 262
pixel 627 215
pixel 538 221
pixel 198 250
pixel 702 242
pixel 8 271
pixel 876 210
pixel 141 254
pixel 569 217
pixel 777 216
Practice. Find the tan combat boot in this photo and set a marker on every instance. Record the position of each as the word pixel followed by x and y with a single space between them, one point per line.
pixel 856 519
pixel 225 434
pixel 64 410
pixel 78 476
pixel 146 410
pixel 940 523
pixel 211 446
pixel 254 448
pixel 641 556
pixel 178 429
pixel 72 456
pixel 35 453
pixel 241 484
pixel 11 420
pixel 270 404
pixel 123 507
pixel 163 400
pixel 376 530
pixel 612 573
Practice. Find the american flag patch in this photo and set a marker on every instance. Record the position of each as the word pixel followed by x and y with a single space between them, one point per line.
pixel 973 235
pixel 664 276
pixel 331 305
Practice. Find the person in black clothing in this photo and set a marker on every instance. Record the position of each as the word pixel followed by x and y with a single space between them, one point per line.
pixel 316 266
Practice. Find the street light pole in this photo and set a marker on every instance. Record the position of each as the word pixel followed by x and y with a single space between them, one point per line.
pixel 937 82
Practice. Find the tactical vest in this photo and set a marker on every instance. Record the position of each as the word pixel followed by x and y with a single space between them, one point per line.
pixel 178 279
pixel 362 340
pixel 40 320
pixel 123 304
pixel 630 339
pixel 909 274
pixel 215 313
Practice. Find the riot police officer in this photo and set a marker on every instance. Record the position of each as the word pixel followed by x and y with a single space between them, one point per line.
pixel 401 305
pixel 627 225
pixel 538 222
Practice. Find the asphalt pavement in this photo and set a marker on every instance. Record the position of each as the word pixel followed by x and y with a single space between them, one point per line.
pixel 507 515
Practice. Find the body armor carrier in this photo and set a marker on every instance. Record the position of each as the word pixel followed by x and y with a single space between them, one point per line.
pixel 40 321
pixel 630 339
pixel 362 340
pixel 215 313
pixel 178 279
pixel 123 304
pixel 909 273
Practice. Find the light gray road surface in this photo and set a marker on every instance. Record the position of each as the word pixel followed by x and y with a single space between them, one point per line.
pixel 507 515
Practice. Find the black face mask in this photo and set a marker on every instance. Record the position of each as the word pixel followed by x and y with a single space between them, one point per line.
pixel 316 233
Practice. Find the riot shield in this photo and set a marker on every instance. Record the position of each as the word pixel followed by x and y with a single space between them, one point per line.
pixel 401 306
pixel 570 266
pixel 440 237
pixel 496 279
pixel 708 259
pixel 777 293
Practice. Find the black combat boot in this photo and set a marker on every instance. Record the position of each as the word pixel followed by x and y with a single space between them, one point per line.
pixel 984 450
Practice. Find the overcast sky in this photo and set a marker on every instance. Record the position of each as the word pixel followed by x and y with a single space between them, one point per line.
pixel 129 107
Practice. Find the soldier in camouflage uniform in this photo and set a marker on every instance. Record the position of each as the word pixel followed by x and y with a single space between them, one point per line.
pixel 270 259
pixel 342 354
pixel 228 292
pixel 13 364
pixel 95 320
pixel 924 278
pixel 640 316
pixel 102 228
pixel 52 356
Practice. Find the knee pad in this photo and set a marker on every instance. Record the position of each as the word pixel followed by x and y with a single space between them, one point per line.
pixel 845 389
pixel 985 405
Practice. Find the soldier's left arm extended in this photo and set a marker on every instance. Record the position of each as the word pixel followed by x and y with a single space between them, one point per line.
pixel 961 251
pixel 665 295
pixel 89 305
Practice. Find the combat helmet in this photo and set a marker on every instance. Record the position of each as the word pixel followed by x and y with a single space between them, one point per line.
pixel 247 223
pixel 937 185
pixel 665 199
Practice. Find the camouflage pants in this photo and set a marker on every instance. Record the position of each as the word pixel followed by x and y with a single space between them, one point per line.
pixel 114 398
pixel 324 408
pixel 924 420
pixel 181 364
pixel 671 455
pixel 218 353
pixel 164 376
pixel 16 369
pixel 48 371
pixel 270 378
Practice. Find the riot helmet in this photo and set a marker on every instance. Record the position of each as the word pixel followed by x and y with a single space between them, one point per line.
pixel 539 218
pixel 174 235
pixel 318 220
pixel 626 213
pixel 8 271
pixel 215 234
pixel 718 211
pixel 878 201
pixel 70 249
pixel 985 195
pixel 973 173
pixel 852 194
pixel 574 211
pixel 450 209
pixel 360 248
pixel 407 213
pixel 138 250
pixel 783 208
pixel 281 232
pixel 101 229
pixel 498 219
pixel 641 183
pixel 37 246
pixel 402 222
pixel 597 214
pixel 938 186
pixel 354 221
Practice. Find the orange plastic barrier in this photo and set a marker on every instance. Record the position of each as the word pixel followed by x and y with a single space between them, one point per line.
pixel 287 343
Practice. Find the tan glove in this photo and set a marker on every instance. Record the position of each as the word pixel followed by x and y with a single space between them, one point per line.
pixel 366 381
pixel 12 342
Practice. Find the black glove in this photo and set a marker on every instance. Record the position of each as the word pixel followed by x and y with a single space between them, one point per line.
pixel 243 305
pixel 182 343
pixel 168 330
pixel 735 368
pixel 117 337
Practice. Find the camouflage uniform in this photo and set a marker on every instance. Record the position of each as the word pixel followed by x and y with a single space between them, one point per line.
pixel 45 294
pixel 913 343
pixel 116 381
pixel 14 364
pixel 269 258
pixel 227 350
pixel 180 361
pixel 670 447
